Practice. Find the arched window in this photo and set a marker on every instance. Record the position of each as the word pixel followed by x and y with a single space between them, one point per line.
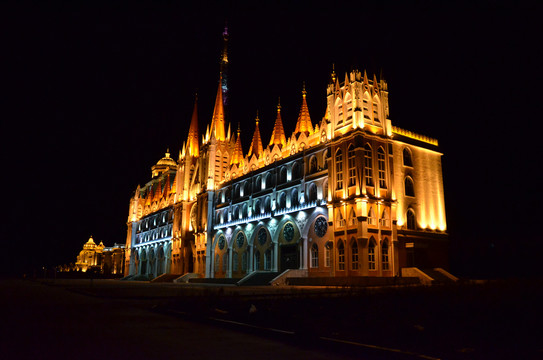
pixel 376 109
pixel 366 106
pixel 339 106
pixel 314 256
pixel 385 265
pixel 371 254
pixel 354 254
pixel 409 187
pixel 313 165
pixel 247 188
pixel 411 222
pixel 258 184
pixel 351 165
pixel 368 165
pixel 236 213
pixel 312 192
pixel 407 159
pixel 224 262
pixel 244 258
pixel 341 255
pixel 340 220
pixel 325 158
pixel 269 181
pixel 267 259
pixel 384 218
pixel 282 200
pixel 257 261
pixel 294 198
pixel 352 221
pixel 325 190
pixel 235 261
pixel 236 191
pixel 267 204
pixel 257 209
pixel 381 168
pixel 372 219
pixel 244 213
pixel 348 107
pixel 295 171
pixel 217 262
pixel 339 170
pixel 283 175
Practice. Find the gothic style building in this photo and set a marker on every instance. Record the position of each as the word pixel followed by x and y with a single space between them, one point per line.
pixel 348 195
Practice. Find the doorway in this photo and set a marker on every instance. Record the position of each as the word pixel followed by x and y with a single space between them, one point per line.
pixel 290 257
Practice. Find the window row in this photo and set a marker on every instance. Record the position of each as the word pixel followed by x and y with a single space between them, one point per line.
pixel 352 219
pixel 368 167
pixel 349 256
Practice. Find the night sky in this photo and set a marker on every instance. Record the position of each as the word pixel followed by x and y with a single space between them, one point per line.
pixel 95 94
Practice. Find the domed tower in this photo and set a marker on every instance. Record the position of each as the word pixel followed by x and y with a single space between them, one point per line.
pixel 163 165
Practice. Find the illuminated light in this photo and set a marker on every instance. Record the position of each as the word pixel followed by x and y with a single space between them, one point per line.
pixel 415 136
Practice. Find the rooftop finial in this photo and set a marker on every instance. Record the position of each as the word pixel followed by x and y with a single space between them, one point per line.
pixel 304 93
pixel 278 104
pixel 257 119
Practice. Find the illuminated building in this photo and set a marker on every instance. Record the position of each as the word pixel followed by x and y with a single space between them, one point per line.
pixel 102 259
pixel 350 195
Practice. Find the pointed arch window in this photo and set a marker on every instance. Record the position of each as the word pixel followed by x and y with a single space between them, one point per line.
pixel 409 186
pixel 368 165
pixel 224 262
pixel 257 261
pixel 411 221
pixel 341 255
pixel 384 218
pixel 313 165
pixel 325 158
pixel 267 259
pixel 339 106
pixel 372 219
pixel 366 106
pixel 339 169
pixel 352 221
pixel 381 165
pixel 340 220
pixel 235 261
pixel 244 258
pixel 351 162
pixel 371 254
pixel 354 254
pixel 314 256
pixel 407 158
pixel 349 106
pixel 385 265
pixel 376 109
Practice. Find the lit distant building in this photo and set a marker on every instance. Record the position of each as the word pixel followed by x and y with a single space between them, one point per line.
pixel 102 259
pixel 351 195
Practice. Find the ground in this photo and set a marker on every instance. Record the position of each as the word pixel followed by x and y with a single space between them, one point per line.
pixel 110 318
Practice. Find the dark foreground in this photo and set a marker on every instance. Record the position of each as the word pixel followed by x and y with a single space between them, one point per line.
pixel 85 319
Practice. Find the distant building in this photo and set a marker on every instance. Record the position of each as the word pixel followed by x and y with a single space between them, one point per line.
pixel 104 260
pixel 351 195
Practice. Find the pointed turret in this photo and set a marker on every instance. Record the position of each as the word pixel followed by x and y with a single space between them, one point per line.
pixel 256 144
pixel 217 122
pixel 193 148
pixel 278 135
pixel 304 121
pixel 237 155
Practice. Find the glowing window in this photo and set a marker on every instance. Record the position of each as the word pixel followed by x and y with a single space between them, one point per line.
pixel 411 222
pixel 407 159
pixel 351 165
pixel 368 165
pixel 314 256
pixel 381 168
pixel 371 254
pixel 341 255
pixel 354 255
pixel 409 187
pixel 339 170
pixel 384 255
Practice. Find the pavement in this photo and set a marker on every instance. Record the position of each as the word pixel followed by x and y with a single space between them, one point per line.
pixel 106 319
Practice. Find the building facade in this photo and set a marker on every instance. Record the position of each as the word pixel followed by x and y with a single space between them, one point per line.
pixel 350 195
pixel 99 258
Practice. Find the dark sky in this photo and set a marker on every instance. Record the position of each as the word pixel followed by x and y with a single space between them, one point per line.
pixel 95 94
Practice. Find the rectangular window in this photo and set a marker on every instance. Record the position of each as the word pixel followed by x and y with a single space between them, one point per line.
pixel 368 166
pixel 339 171
pixel 352 166
pixel 371 257
pixel 326 257
pixel 381 168
pixel 341 258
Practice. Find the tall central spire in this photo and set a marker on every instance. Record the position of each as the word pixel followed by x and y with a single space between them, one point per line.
pixel 217 122
pixel 304 121
pixel 224 66
pixel 192 141
pixel 278 135
pixel 256 144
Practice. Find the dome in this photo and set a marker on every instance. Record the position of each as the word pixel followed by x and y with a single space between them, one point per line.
pixel 167 161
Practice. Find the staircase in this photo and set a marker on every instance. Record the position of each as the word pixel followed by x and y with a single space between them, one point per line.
pixel 258 278
pixel 430 276
pixel 165 278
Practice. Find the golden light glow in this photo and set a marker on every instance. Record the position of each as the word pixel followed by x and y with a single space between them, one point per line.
pixel 412 135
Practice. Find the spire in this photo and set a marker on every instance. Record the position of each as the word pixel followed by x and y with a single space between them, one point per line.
pixel 192 141
pixel 278 135
pixel 333 74
pixel 217 122
pixel 224 66
pixel 304 121
pixel 256 144
pixel 237 155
